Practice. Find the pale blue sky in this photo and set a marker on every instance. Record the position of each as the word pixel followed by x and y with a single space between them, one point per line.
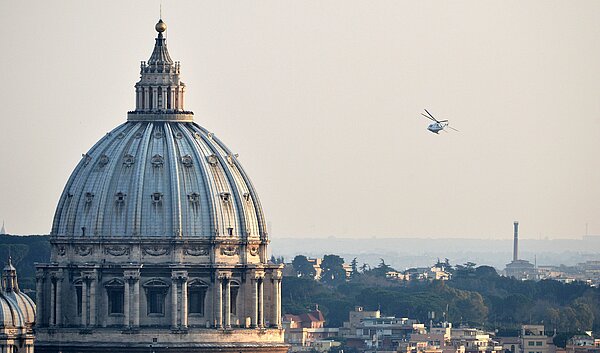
pixel 321 99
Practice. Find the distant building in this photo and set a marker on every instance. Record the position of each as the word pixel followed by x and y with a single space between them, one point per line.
pixel 583 344
pixel 519 269
pixel 355 319
pixel 534 340
pixel 426 273
pixel 17 315
pixel 387 333
pixel 307 330
pixel 474 341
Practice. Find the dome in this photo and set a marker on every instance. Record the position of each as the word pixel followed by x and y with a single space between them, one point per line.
pixel 158 233
pixel 159 178
pixel 159 174
pixel 16 308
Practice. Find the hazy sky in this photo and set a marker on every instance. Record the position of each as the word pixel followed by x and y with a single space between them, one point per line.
pixel 321 99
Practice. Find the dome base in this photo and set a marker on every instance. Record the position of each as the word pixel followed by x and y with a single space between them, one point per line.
pixel 161 340
pixel 182 117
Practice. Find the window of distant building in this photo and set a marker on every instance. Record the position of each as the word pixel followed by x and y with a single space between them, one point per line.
pixel 531 343
pixel 115 290
pixel 196 296
pixel 156 290
pixel 538 343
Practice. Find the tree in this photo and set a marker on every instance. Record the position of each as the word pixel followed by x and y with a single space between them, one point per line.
pixel 354 265
pixel 303 267
pixel 382 269
pixel 333 271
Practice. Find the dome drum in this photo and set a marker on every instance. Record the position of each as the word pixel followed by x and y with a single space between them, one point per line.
pixel 158 250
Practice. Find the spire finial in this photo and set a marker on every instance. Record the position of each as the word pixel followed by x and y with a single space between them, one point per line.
pixel 160 26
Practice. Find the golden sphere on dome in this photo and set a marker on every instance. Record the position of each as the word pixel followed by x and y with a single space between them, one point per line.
pixel 160 26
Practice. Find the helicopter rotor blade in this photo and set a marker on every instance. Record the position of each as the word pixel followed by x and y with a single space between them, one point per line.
pixel 431 115
pixel 453 128
pixel 428 117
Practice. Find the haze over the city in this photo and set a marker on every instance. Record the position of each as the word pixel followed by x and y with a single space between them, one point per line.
pixel 322 101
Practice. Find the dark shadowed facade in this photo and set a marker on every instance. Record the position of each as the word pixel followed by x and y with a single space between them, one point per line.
pixel 159 242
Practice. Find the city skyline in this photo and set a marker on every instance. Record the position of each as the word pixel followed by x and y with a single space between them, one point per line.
pixel 322 103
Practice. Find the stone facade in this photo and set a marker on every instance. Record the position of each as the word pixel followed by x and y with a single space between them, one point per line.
pixel 159 242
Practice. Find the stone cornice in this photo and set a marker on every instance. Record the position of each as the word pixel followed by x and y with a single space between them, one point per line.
pixel 183 117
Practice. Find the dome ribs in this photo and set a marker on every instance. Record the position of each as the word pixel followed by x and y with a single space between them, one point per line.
pixel 174 184
pixel 142 158
pixel 141 169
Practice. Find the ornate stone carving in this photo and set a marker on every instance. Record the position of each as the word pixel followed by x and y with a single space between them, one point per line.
pixel 158 134
pixel 120 198
pixel 212 159
pixel 61 250
pixel 197 136
pixel 254 250
pixel 138 135
pixel 230 250
pixel 247 196
pixel 117 250
pixel 155 250
pixel 225 196
pixel 157 198
pixel 103 160
pixel 121 136
pixel 194 197
pixel 195 250
pixel 89 197
pixel 186 161
pixel 178 135
pixel 86 158
pixel 128 160
pixel 157 161
pixel 83 250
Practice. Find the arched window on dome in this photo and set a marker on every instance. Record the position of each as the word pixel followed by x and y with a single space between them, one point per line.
pixel 156 290
pixel 234 289
pixel 115 290
pixel 197 290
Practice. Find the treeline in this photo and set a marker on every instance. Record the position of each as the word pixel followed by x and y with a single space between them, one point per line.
pixel 24 251
pixel 475 296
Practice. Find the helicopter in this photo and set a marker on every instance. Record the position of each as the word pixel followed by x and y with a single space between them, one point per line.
pixel 438 125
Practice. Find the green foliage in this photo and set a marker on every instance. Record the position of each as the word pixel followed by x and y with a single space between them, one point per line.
pixel 475 295
pixel 381 270
pixel 25 252
pixel 303 267
pixel 354 266
pixel 333 271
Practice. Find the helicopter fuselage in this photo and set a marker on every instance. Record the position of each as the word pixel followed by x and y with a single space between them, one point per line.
pixel 435 127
